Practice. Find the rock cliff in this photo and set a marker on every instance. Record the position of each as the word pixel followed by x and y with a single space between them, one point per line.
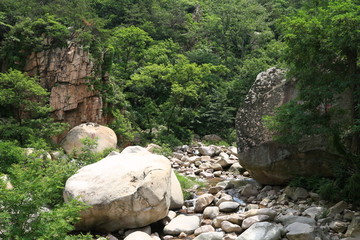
pixel 65 72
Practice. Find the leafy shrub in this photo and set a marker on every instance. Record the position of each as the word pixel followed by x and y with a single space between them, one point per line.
pixel 122 127
pixel 87 155
pixel 187 184
pixel 10 153
pixel 164 150
pixel 34 209
pixel 24 113
pixel 167 138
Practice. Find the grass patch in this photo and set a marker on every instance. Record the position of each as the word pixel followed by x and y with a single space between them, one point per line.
pixel 188 184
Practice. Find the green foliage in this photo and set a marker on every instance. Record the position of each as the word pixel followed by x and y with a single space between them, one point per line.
pixel 33 209
pixel 24 113
pixel 324 61
pixel 187 184
pixel 28 35
pixel 322 54
pixel 87 155
pixel 129 44
pixel 167 138
pixel 10 153
pixel 122 127
pixel 165 149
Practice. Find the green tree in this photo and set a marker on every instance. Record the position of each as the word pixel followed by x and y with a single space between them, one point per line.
pixel 129 44
pixel 323 46
pixel 171 94
pixel 323 40
pixel 24 112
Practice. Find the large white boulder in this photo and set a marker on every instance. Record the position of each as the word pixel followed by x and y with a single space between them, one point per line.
pixel 105 137
pixel 126 190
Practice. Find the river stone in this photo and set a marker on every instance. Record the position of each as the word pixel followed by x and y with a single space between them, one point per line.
pixel 314 212
pixel 235 218
pixel 182 223
pixel 229 206
pixel 207 151
pixel 249 190
pixel 211 212
pixel 296 193
pixel 236 168
pixel 267 161
pixel 127 190
pixel 354 227
pixel 262 211
pixel 263 231
pixel 227 227
pixel 287 220
pixel 337 208
pixel 138 235
pixel 254 219
pixel 210 236
pixel 104 136
pixel 225 198
pixel 204 229
pixel 203 201
pixel 300 231
pixel 338 226
pixel 146 229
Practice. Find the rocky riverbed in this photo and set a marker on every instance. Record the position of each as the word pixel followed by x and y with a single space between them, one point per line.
pixel 233 206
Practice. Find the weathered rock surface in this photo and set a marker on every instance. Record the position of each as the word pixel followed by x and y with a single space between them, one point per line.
pixel 126 190
pixel 182 223
pixel 354 227
pixel 300 231
pixel 263 231
pixel 104 136
pixel 267 161
pixel 203 201
pixel 176 197
pixel 64 72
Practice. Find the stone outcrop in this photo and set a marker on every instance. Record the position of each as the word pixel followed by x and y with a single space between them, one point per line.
pixel 126 190
pixel 104 136
pixel 267 161
pixel 65 73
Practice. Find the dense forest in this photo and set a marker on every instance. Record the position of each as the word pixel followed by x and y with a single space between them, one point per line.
pixel 170 70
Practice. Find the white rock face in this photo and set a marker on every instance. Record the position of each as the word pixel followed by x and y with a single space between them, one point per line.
pixel 127 190
pixel 106 138
pixel 263 231
pixel 182 223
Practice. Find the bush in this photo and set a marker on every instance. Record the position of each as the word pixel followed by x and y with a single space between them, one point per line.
pixel 34 209
pixel 87 155
pixel 10 153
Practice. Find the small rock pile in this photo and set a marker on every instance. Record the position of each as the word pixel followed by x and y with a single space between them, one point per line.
pixel 235 207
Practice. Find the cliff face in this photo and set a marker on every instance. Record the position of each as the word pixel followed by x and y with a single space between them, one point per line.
pixel 64 72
